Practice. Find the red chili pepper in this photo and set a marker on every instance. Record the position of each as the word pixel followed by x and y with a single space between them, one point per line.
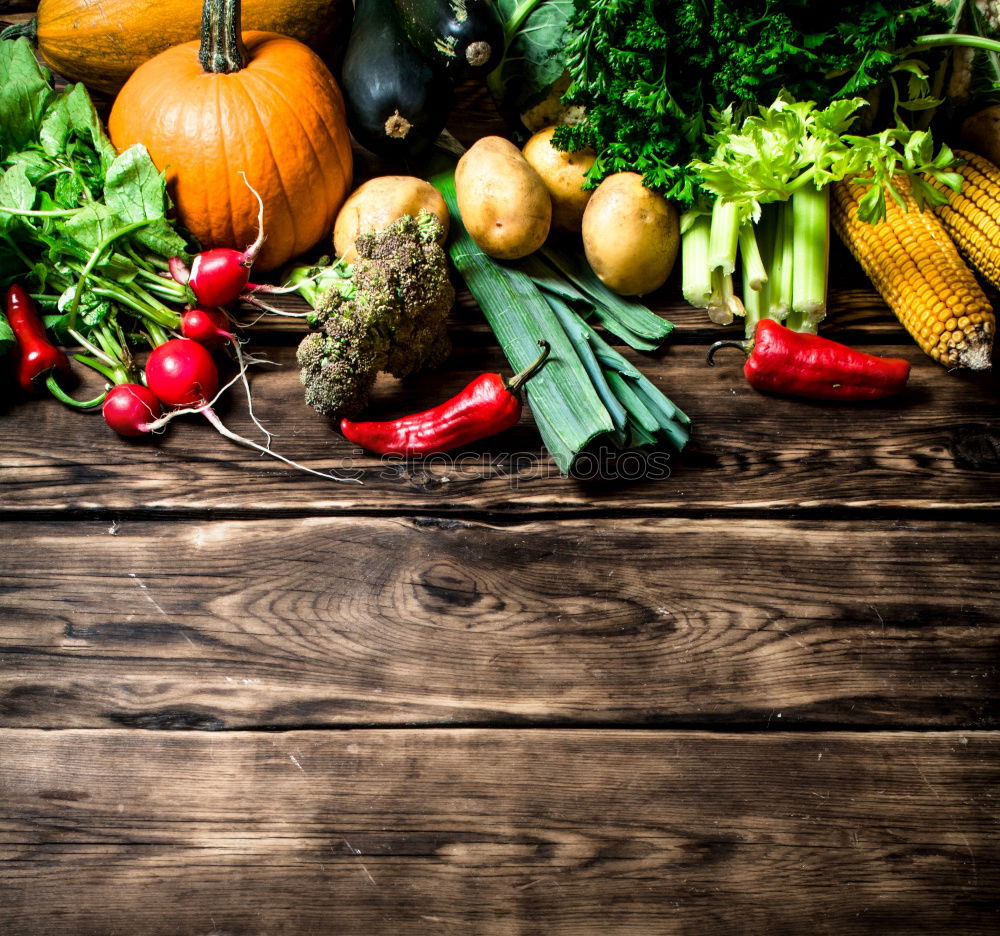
pixel 784 361
pixel 36 355
pixel 486 406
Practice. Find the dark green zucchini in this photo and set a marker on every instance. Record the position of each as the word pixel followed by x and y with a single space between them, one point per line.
pixel 397 102
pixel 465 37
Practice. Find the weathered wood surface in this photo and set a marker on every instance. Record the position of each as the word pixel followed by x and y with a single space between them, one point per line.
pixel 937 446
pixel 527 833
pixel 360 621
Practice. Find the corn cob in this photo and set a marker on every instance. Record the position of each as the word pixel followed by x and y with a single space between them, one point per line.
pixel 972 215
pixel 918 271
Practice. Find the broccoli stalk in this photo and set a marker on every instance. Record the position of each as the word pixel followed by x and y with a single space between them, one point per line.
pixel 385 312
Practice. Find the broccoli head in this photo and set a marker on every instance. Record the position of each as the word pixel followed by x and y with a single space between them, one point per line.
pixel 386 312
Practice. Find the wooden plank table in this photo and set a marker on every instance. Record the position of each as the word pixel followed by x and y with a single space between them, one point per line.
pixel 752 691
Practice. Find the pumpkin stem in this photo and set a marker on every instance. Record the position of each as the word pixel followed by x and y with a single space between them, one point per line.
pixel 29 30
pixel 222 50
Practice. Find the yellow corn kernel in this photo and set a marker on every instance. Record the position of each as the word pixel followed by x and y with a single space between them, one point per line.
pixel 972 215
pixel 918 271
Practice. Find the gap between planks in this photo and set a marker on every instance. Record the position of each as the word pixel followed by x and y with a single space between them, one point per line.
pixel 721 729
pixel 446 517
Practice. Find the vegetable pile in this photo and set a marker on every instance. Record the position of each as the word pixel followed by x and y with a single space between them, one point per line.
pixel 749 114
pixel 587 391
pixel 88 229
pixel 731 136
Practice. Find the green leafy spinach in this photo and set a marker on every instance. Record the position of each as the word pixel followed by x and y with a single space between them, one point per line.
pixel 86 229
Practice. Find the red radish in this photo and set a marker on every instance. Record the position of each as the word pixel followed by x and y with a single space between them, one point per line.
pixel 219 276
pixel 207 327
pixel 181 372
pixel 129 409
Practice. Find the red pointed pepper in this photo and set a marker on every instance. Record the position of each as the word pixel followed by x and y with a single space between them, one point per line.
pixel 36 355
pixel 784 361
pixel 485 407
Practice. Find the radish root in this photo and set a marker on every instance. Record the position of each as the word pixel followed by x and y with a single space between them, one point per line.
pixel 209 413
pixel 251 252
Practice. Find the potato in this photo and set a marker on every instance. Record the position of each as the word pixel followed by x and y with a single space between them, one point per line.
pixel 981 133
pixel 380 201
pixel 563 174
pixel 630 235
pixel 551 110
pixel 504 203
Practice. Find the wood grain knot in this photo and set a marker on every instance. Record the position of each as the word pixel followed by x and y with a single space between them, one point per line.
pixel 976 448
pixel 445 587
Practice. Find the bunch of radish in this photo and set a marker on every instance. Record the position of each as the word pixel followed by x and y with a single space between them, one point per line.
pixel 180 373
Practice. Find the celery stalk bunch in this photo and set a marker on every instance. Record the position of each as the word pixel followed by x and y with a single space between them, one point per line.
pixel 767 176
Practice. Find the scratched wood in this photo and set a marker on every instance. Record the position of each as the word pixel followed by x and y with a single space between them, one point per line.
pixel 498 832
pixel 938 446
pixel 355 621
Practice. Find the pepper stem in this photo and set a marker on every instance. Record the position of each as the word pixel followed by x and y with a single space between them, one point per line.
pixel 519 380
pixel 710 356
pixel 222 50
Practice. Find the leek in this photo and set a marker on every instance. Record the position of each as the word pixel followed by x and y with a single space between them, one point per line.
pixel 630 320
pixel 553 283
pixel 673 423
pixel 568 411
pixel 581 342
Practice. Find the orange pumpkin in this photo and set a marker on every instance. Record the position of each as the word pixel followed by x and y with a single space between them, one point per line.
pixel 265 105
